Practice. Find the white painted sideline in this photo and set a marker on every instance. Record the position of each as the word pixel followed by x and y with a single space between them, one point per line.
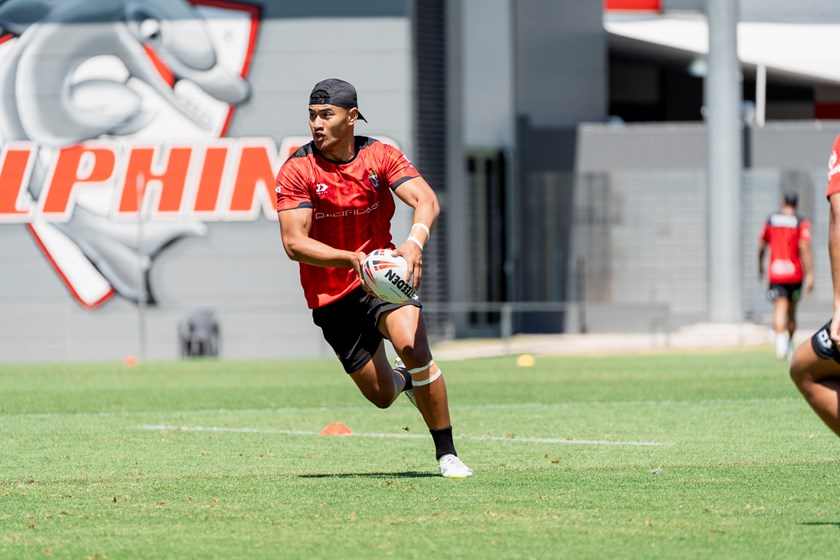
pixel 166 428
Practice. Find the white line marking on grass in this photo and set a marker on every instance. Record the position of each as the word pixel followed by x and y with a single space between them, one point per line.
pixel 164 428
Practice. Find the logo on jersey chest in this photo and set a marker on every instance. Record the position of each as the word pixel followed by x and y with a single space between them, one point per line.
pixel 347 212
pixel 321 188
pixel 373 177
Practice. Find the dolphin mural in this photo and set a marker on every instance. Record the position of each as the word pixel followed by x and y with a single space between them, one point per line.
pixel 75 71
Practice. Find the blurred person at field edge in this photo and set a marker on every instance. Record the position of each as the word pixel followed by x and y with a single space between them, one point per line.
pixel 788 236
pixel 815 368
pixel 335 201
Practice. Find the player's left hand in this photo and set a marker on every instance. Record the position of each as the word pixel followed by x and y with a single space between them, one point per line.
pixel 809 282
pixel 414 258
pixel 834 329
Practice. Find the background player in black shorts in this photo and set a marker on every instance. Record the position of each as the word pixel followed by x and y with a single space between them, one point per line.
pixel 788 236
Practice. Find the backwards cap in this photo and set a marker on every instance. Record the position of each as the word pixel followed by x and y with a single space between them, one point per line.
pixel 333 91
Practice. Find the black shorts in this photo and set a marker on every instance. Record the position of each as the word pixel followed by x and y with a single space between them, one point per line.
pixel 350 326
pixel 791 292
pixel 823 346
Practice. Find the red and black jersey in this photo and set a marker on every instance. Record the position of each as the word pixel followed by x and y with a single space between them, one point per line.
pixel 783 233
pixel 352 206
pixel 834 169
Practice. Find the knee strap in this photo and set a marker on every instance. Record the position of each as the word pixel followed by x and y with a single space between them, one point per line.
pixel 421 369
pixel 426 381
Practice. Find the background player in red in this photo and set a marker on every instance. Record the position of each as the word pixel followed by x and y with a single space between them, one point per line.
pixel 788 235
pixel 335 204
pixel 815 368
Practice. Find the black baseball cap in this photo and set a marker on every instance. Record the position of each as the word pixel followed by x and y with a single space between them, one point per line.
pixel 333 91
pixel 791 198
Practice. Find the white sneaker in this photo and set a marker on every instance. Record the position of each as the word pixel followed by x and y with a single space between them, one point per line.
pixel 452 467
pixel 409 393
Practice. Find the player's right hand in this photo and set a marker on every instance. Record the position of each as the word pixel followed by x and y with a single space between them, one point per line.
pixel 357 259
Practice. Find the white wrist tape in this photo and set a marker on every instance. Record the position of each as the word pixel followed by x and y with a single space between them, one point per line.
pixel 416 241
pixel 423 226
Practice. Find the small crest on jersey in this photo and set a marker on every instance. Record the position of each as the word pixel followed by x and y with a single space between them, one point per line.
pixel 373 177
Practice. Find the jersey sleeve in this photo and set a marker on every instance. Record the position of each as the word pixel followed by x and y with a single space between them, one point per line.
pixel 834 169
pixel 292 187
pixel 805 231
pixel 397 168
pixel 765 233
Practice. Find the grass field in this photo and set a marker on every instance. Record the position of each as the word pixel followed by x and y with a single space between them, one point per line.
pixel 707 455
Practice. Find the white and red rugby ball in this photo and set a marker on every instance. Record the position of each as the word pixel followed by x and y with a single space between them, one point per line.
pixel 386 276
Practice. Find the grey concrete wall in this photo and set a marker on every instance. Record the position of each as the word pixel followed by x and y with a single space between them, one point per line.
pixel 488 73
pixel 792 145
pixel 560 61
pixel 787 11
pixel 769 10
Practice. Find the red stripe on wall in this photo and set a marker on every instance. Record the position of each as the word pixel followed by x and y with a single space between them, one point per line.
pixel 648 5
pixel 827 110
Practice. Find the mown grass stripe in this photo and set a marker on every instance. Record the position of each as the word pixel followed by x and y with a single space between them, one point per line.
pixel 508 406
pixel 516 439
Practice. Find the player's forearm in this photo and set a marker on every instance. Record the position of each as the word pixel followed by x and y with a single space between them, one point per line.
pixel 419 195
pixel 834 248
pixel 425 214
pixel 807 261
pixel 310 251
pixel 761 261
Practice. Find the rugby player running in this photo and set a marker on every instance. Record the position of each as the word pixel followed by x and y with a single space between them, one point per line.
pixel 335 203
pixel 788 236
pixel 815 368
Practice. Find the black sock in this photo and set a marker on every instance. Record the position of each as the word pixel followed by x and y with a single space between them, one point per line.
pixel 443 442
pixel 406 376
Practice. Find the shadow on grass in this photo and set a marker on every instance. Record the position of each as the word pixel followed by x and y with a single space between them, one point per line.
pixel 405 474
pixel 822 523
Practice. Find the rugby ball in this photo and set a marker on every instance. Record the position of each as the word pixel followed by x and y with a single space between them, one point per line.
pixel 385 275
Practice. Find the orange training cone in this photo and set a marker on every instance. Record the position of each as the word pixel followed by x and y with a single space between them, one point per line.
pixel 336 429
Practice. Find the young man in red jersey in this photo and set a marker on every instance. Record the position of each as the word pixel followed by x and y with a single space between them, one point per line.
pixel 788 235
pixel 335 203
pixel 815 368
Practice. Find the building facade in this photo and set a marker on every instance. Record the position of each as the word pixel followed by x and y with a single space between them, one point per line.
pixel 140 140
